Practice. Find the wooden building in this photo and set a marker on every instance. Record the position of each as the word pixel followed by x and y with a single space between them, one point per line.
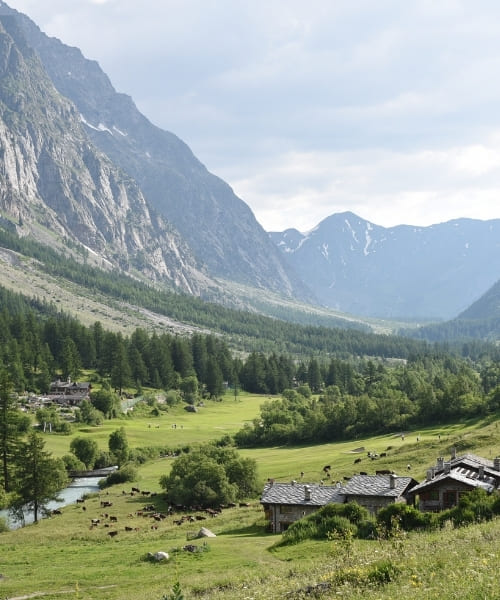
pixel 69 392
pixel 448 480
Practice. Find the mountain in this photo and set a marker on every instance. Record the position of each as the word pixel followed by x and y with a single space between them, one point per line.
pixel 219 228
pixel 56 186
pixel 429 273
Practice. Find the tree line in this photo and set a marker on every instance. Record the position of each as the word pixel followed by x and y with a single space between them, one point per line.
pixel 370 398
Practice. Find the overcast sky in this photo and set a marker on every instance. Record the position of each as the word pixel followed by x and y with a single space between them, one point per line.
pixel 389 109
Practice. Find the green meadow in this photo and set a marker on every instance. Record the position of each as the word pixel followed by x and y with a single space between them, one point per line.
pixel 64 557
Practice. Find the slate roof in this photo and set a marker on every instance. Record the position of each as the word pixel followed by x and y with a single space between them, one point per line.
pixel 294 493
pixel 462 475
pixel 378 485
pixel 472 462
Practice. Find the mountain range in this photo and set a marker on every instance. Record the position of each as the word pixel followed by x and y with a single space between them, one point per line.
pixel 433 272
pixel 84 171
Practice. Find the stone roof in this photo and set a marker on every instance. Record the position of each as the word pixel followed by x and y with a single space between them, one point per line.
pixel 469 477
pixel 473 461
pixel 378 485
pixel 295 494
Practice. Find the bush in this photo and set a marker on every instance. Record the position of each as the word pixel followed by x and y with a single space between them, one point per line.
pixel 367 529
pixel 3 525
pixel 123 475
pixel 407 517
pixel 72 463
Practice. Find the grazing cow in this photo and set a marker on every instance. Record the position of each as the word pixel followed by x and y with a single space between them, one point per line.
pixel 84 508
pixel 326 468
pixel 136 490
pixel 112 533
pixel 358 460
pixel 95 522
pixel 127 528
pixel 56 511
pixel 106 503
pixel 383 454
pixel 113 519
pixel 80 500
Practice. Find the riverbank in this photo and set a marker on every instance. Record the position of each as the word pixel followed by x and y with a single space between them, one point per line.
pixel 78 487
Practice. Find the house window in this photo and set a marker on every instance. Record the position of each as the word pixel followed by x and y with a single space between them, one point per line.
pixel 431 496
pixel 286 509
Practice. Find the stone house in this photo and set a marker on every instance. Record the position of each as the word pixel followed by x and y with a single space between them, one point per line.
pixel 448 480
pixel 377 491
pixel 285 503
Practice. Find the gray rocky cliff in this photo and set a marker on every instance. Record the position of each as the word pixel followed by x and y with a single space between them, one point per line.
pixel 55 182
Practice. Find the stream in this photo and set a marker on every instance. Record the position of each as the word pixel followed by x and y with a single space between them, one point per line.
pixel 69 495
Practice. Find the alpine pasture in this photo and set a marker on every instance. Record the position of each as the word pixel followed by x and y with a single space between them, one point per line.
pixel 65 556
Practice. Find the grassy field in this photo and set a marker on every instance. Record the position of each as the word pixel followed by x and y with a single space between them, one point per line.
pixel 62 557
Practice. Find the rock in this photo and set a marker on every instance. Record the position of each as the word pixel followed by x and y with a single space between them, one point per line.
pixel 204 532
pixel 158 556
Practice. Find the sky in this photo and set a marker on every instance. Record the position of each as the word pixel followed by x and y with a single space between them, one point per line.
pixel 388 109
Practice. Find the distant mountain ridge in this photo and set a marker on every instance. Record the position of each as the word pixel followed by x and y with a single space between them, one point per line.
pixel 432 272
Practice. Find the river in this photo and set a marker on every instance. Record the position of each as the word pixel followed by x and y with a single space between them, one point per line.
pixel 76 489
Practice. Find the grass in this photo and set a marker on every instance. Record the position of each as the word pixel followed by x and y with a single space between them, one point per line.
pixel 63 557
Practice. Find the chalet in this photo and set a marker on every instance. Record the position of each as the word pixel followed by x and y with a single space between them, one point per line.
pixel 448 480
pixel 285 503
pixel 69 392
pixel 377 491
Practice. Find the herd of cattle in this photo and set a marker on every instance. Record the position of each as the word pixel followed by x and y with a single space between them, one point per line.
pixel 150 512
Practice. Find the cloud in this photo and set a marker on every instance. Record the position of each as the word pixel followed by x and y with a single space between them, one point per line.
pixel 388 109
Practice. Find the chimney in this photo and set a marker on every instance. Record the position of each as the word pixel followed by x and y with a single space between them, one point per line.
pixel 307 493
pixel 480 473
pixel 496 463
pixel 440 463
pixel 392 481
pixel 447 467
pixel 453 453
pixel 430 474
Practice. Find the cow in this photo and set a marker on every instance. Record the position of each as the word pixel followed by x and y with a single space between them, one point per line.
pixel 358 460
pixel 112 533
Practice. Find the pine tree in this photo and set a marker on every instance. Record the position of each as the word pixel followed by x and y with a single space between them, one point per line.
pixel 39 478
pixel 9 434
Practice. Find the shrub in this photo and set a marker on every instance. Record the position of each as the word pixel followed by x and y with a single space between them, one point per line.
pixel 123 475
pixel 367 529
pixel 72 463
pixel 3 525
pixel 408 517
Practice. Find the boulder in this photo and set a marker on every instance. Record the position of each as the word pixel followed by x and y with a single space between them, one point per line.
pixel 204 532
pixel 158 556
